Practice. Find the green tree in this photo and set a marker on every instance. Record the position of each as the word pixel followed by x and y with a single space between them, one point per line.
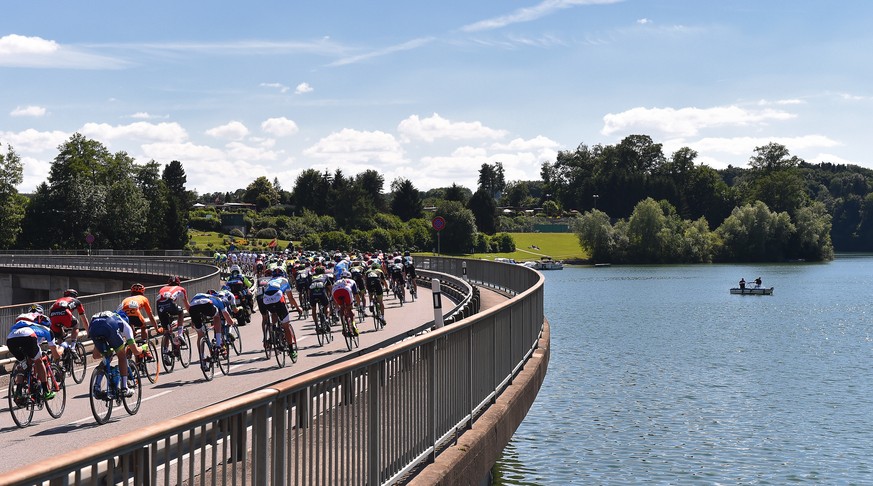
pixel 753 233
pixel 12 204
pixel 457 193
pixel 492 178
pixel 813 235
pixel 484 209
pixel 645 232
pixel 596 235
pixel 262 193
pixel 406 201
pixel 310 190
pixel 459 235
pixel 372 184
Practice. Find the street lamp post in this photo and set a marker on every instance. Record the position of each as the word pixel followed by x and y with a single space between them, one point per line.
pixel 595 200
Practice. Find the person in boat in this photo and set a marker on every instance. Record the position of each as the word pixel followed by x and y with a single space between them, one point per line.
pixel 742 283
pixel 758 283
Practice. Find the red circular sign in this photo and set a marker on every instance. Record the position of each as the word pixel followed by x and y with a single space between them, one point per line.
pixel 439 223
pixel 89 238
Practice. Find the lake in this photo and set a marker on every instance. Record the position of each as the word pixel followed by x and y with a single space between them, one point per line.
pixel 659 375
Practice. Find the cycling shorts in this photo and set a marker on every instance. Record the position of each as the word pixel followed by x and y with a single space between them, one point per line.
pixel 167 314
pixel 62 318
pixel 202 312
pixel 342 297
pixel 318 299
pixel 24 347
pixel 107 335
pixel 280 309
pixel 136 322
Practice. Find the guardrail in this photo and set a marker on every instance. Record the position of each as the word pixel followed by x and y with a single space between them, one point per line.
pixel 198 277
pixel 370 420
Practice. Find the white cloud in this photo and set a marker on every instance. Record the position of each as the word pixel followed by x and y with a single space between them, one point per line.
pixel 34 111
pixel 528 14
pixel 23 51
pixel 34 173
pixel 233 131
pixel 353 146
pixel 436 127
pixel 686 121
pixel 31 140
pixel 241 151
pixel 537 143
pixel 144 131
pixel 644 21
pixel 144 115
pixel 281 87
pixel 303 88
pixel 280 127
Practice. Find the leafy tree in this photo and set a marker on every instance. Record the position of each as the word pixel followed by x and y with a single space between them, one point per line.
pixel 310 191
pixel 457 193
pixel 12 204
pixel 492 178
pixel 645 228
pixel 262 193
pixel 406 203
pixel 459 233
pixel 372 183
pixel 754 233
pixel 484 210
pixel 515 194
pixel 596 235
pixel 813 235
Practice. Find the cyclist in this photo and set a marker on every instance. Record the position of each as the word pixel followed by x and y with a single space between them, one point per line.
pixel 395 271
pixel 319 292
pixel 24 339
pixel 111 330
pixel 134 306
pixel 61 316
pixel 357 271
pixel 239 284
pixel 207 306
pixel 344 292
pixel 168 307
pixel 375 283
pixel 265 275
pixel 275 294
pixel 409 272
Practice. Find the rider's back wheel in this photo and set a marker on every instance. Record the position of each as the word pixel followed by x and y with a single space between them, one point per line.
pixel 56 405
pixel 185 349
pixel 168 356
pixel 292 348
pixel 101 407
pixel 79 363
pixel 278 342
pixel 149 366
pixel 20 403
pixel 206 364
pixel 222 355
pixel 235 339
pixel 134 383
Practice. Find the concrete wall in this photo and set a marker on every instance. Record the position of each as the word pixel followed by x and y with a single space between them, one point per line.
pixel 40 285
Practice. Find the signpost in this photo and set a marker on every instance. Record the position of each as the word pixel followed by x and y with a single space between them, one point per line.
pixel 89 238
pixel 439 224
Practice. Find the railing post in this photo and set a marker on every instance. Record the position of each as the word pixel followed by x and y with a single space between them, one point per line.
pixel 437 304
pixel 374 429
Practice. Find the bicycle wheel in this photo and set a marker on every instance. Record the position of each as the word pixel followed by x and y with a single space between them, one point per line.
pixel 321 329
pixel 56 405
pixel 278 341
pixel 101 404
pixel 292 349
pixel 79 363
pixel 206 364
pixel 235 339
pixel 134 383
pixel 184 349
pixel 347 332
pixel 20 404
pixel 268 340
pixel 149 366
pixel 168 356
pixel 222 355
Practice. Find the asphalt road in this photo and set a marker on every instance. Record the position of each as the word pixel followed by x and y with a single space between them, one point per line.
pixel 185 390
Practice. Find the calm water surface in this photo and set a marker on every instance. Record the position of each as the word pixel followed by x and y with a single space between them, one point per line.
pixel 658 375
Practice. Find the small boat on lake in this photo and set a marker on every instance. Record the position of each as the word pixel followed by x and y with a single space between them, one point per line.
pixel 546 263
pixel 752 291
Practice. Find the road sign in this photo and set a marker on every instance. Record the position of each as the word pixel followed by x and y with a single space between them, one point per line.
pixel 89 238
pixel 438 223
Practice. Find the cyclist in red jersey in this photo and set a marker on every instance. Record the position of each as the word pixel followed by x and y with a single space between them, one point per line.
pixel 61 317
pixel 167 305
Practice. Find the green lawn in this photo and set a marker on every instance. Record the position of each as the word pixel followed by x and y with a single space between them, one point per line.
pixel 559 246
pixel 209 241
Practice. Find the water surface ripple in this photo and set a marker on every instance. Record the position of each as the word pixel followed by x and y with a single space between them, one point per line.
pixel 658 375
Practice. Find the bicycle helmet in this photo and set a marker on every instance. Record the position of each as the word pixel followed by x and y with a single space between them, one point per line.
pixel 375 265
pixel 211 292
pixel 174 280
pixel 36 308
pixel 71 293
pixel 347 274
pixel 137 288
pixel 234 269
pixel 278 272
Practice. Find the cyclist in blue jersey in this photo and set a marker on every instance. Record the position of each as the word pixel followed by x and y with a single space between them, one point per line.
pixel 205 306
pixel 24 339
pixel 276 293
pixel 111 330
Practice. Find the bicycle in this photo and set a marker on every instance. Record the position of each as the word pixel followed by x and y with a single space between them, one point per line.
pixel 413 289
pixel 323 331
pixel 350 332
pixel 399 291
pixel 278 345
pixel 26 394
pixel 232 337
pixel 146 366
pixel 105 391
pixel 74 359
pixel 219 355
pixel 378 316
pixel 303 299
pixel 178 346
pixel 362 314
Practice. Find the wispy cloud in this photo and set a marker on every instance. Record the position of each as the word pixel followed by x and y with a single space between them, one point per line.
pixel 279 86
pixel 686 121
pixel 36 52
pixel 406 46
pixel 528 14
pixel 34 111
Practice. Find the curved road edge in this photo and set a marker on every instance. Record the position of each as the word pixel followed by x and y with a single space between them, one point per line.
pixel 470 459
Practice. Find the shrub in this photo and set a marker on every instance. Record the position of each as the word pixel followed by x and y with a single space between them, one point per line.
pixel 268 233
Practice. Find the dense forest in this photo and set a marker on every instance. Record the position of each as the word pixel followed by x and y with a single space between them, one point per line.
pixel 627 202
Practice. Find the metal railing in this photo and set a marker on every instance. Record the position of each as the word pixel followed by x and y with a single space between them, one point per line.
pixel 370 420
pixel 198 277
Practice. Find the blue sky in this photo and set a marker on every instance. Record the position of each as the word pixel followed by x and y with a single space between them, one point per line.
pixel 430 91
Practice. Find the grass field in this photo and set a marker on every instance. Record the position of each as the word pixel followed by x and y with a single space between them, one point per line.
pixel 532 246
pixel 529 246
